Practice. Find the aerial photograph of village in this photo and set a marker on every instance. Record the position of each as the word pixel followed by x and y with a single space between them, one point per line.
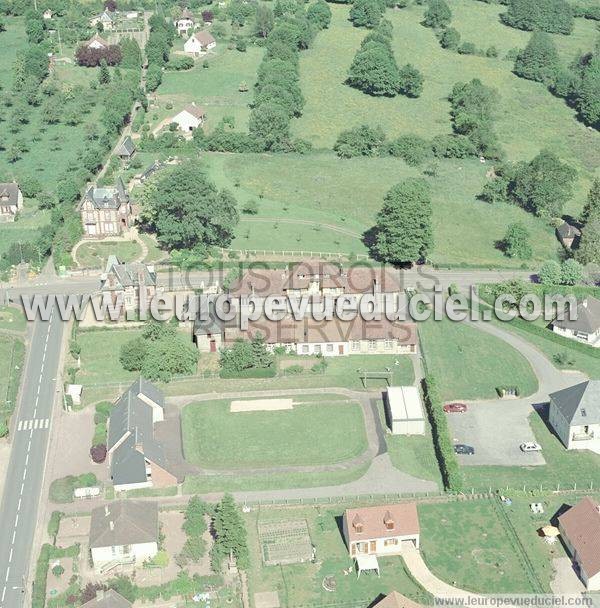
pixel 299 303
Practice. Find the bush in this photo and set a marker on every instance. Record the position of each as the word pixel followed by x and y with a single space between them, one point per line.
pixel 412 149
pixel 444 448
pixel 54 525
pixel 467 48
pixel 179 62
pixel 293 370
pixel 58 570
pixel 359 141
pixel 267 372
pixel 250 207
pixel 61 490
pixel 98 453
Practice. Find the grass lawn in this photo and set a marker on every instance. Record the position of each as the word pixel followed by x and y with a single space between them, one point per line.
pixel 528 116
pixel 565 469
pixel 466 543
pixel 413 454
pixel 470 364
pixel 348 193
pixel 95 254
pixel 12 355
pixel 12 318
pixel 215 88
pixel 301 584
pixel 320 429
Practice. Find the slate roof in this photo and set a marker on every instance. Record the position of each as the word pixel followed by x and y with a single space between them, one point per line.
pixel 579 404
pixel 186 14
pixel 153 168
pixel 9 194
pixel 110 599
pixel 131 423
pixel 127 147
pixel 581 525
pixel 568 231
pixel 108 198
pixel 124 522
pixel 128 274
pixel 587 317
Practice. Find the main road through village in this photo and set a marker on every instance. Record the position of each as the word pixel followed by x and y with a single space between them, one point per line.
pixel 31 431
pixel 32 423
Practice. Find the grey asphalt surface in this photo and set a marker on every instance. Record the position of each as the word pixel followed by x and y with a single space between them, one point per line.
pixel 31 427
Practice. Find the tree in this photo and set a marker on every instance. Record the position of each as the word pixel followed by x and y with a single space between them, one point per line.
pixel 450 38
pixel 173 355
pixel 550 273
pixel 554 16
pixel 366 13
pixel 374 71
pixel 412 149
pixel 263 20
pixel 588 93
pixel 230 535
pixel 544 185
pixel 539 60
pixel 591 208
pixel 516 242
pixel 104 75
pixel 410 81
pixel 187 210
pixel 270 124
pixel 359 141
pixel 246 354
pixel 403 232
pixel 571 272
pixel 438 14
pixel 133 354
pixel 319 14
pixel 588 251
pixel 153 77
pixel 131 54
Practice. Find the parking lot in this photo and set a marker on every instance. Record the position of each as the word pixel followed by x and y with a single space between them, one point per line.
pixel 495 429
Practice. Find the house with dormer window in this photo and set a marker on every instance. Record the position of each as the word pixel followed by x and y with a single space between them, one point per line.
pixel 106 211
pixel 382 530
pixel 11 201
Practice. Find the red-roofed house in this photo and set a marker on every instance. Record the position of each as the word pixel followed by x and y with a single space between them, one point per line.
pixel 382 530
pixel 396 600
pixel 580 531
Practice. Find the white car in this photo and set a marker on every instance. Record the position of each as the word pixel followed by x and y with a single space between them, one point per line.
pixel 530 446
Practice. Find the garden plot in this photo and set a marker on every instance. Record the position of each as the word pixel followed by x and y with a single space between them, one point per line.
pixel 285 542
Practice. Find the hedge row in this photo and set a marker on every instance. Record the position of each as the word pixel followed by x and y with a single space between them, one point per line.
pixel 444 448
pixel 48 553
pixel 259 372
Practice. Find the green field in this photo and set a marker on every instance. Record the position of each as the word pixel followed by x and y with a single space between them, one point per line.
pixel 322 429
pixel 95 254
pixel 301 584
pixel 321 188
pixel 12 318
pixel 12 355
pixel 466 543
pixel 215 88
pixel 470 364
pixel 528 118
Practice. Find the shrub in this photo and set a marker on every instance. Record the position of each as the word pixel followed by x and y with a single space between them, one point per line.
pixel 359 141
pixel 250 207
pixel 98 453
pixel 293 370
pixel 58 570
pixel 412 149
pixel 467 48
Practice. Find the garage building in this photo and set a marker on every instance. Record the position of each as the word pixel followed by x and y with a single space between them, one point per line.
pixel 404 410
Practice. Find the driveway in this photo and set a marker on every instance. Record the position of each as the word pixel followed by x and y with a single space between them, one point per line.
pixel 565 581
pixel 495 430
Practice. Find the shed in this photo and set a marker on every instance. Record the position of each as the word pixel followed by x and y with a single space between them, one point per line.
pixel 404 410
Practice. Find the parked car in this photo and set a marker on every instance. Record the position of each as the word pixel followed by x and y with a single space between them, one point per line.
pixel 461 448
pixel 530 446
pixel 455 408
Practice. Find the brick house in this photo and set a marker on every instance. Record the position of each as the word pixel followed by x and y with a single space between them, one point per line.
pixel 11 201
pixel 127 281
pixel 106 211
pixel 381 530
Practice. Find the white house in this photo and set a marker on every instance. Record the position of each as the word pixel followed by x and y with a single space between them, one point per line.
pixel 382 530
pixel 580 531
pixel 404 410
pixel 11 201
pixel 47 14
pixel 124 532
pixel 190 118
pixel 184 22
pixel 106 19
pixel 575 416
pixel 199 43
pixel 585 326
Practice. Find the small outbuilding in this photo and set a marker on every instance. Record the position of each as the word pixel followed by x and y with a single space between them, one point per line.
pixel 126 150
pixel 568 234
pixel 404 410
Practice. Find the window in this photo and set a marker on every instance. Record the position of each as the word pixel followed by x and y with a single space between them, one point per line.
pixel 372 344
pixel 330 348
pixel 390 542
pixel 317 348
pixel 305 349
pixel 355 345
pixel 389 344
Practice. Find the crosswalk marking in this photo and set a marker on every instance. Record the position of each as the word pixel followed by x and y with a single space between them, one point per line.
pixel 34 424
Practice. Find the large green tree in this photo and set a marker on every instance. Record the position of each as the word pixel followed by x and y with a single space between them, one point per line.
pixel 588 251
pixel 186 210
pixel 230 535
pixel 591 208
pixel 374 71
pixel 554 16
pixel 319 14
pixel 403 232
pixel 366 13
pixel 539 59
pixel 516 242
pixel 438 14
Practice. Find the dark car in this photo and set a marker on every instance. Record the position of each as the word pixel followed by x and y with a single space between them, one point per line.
pixel 452 408
pixel 461 448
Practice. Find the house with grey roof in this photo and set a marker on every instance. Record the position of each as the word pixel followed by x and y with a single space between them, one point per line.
pixel 132 283
pixel 136 458
pixel 123 533
pixel 575 416
pixel 108 599
pixel 11 201
pixel 567 234
pixel 126 149
pixel 583 325
pixel 106 211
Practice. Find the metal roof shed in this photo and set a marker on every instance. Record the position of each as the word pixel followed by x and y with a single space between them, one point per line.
pixel 404 410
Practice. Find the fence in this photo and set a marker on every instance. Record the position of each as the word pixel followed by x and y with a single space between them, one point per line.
pixel 294 253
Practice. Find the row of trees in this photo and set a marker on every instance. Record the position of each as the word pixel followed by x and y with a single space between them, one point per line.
pixel 367 13
pixel 92 57
pixel 374 70
pixel 554 16
pixel 588 249
pixel 158 46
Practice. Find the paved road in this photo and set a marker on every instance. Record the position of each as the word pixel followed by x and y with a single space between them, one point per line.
pixel 23 486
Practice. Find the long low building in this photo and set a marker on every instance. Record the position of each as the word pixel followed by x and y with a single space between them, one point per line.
pixel 404 410
pixel 310 337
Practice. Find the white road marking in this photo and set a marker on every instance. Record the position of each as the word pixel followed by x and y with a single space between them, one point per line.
pixel 10 555
pixel 35 424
